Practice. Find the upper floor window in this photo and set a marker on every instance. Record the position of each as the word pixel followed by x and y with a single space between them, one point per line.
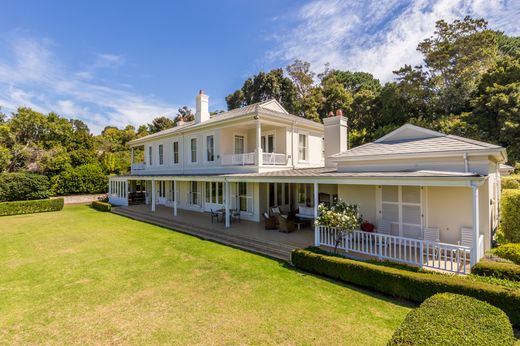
pixel 302 147
pixel 150 155
pixel 161 154
pixel 210 148
pixel 267 143
pixel 239 144
pixel 193 143
pixel 175 152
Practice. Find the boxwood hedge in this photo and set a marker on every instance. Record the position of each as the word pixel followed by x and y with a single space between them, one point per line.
pixel 453 319
pixel 510 181
pixel 101 206
pixel 415 286
pixel 509 251
pixel 29 207
pixel 509 228
pixel 500 270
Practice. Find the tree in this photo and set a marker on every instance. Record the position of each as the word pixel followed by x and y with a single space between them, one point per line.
pixel 184 114
pixel 160 124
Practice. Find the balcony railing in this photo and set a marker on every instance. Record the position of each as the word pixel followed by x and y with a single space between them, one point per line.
pixel 138 166
pixel 274 159
pixel 418 252
pixel 238 159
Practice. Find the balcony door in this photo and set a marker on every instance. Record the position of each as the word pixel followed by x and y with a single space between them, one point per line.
pixel 239 144
pixel 401 210
pixel 267 143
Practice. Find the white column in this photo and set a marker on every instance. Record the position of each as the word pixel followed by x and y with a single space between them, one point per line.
pixel 175 198
pixel 475 226
pixel 153 194
pixel 292 146
pixel 259 156
pixel 316 228
pixel 227 195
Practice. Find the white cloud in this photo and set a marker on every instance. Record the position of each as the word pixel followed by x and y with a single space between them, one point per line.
pixel 31 75
pixel 380 36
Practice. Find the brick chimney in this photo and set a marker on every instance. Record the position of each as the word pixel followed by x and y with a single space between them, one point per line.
pixel 201 107
pixel 336 135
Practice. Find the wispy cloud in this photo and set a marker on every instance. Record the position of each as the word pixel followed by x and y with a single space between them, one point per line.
pixel 32 75
pixel 379 36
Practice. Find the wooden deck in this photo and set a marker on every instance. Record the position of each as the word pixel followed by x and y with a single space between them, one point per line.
pixel 246 235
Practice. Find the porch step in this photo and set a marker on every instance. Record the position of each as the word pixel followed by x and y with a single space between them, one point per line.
pixel 271 249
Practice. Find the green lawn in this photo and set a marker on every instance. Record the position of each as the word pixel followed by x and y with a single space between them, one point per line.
pixel 82 276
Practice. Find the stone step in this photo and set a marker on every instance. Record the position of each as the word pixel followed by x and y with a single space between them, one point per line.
pixel 278 251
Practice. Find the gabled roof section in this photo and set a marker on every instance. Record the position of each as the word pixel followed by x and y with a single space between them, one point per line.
pixel 270 107
pixel 410 140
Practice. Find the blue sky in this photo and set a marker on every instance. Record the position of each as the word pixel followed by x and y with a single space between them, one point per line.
pixel 124 62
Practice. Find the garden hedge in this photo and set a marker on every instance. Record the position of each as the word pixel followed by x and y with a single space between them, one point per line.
pixel 415 286
pixel 101 206
pixel 23 187
pixel 500 270
pixel 453 319
pixel 29 207
pixel 509 228
pixel 510 181
pixel 509 251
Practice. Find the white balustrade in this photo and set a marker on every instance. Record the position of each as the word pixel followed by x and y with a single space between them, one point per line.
pixel 274 159
pixel 238 159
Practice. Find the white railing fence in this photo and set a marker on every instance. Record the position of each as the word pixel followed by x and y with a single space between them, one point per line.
pixel 274 159
pixel 447 257
pixel 238 159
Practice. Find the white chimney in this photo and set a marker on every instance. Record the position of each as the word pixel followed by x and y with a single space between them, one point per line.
pixel 336 136
pixel 201 110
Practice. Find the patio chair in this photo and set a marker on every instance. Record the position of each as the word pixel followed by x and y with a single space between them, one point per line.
pixel 214 214
pixel 270 221
pixel 285 225
pixel 432 235
pixel 235 214
pixel 466 236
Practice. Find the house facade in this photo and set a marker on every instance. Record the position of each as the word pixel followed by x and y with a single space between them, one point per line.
pixel 249 160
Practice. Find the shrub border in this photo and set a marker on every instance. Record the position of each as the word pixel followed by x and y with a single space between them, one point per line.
pixel 30 207
pixel 101 206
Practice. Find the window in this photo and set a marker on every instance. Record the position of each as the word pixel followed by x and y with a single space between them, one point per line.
pixel 210 149
pixel 239 144
pixel 150 155
pixel 243 197
pixel 194 193
pixel 401 210
pixel 175 152
pixel 267 143
pixel 162 189
pixel 305 195
pixel 193 150
pixel 302 147
pixel 214 192
pixel 279 194
pixel 161 154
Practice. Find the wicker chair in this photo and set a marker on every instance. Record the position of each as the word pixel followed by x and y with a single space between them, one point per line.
pixel 285 225
pixel 270 221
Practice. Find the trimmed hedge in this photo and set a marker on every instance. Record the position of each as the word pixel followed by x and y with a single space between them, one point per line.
pixel 23 187
pixel 415 286
pixel 510 181
pixel 509 227
pixel 29 207
pixel 509 251
pixel 453 319
pixel 500 270
pixel 101 206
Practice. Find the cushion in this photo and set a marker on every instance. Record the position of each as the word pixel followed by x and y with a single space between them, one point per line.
pixel 275 210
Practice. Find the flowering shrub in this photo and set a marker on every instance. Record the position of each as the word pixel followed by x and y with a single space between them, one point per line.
pixel 341 215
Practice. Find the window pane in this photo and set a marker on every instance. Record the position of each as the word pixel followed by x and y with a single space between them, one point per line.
pixel 412 214
pixel 270 144
pixel 193 150
pixel 161 154
pixel 411 194
pixel 208 191
pixel 210 148
pixel 239 144
pixel 390 212
pixel 220 192
pixel 390 193
pixel 175 152
pixel 150 156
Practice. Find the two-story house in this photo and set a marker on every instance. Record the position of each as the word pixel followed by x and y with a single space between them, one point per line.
pixel 426 192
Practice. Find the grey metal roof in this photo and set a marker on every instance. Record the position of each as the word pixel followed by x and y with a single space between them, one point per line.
pixel 444 143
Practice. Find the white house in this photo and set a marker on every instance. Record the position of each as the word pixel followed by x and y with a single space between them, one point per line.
pixel 420 188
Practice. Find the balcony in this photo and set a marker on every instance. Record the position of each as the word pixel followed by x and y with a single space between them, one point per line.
pixel 246 159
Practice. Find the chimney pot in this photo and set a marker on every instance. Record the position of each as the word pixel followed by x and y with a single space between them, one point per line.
pixel 331 114
pixel 339 113
pixel 201 92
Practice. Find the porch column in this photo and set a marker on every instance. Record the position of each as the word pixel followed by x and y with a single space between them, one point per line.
pixel 175 198
pixel 227 195
pixel 153 194
pixel 259 156
pixel 316 228
pixel 475 226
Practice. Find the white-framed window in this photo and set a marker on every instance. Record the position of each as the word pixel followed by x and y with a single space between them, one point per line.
pixel 401 210
pixel 302 147
pixel 239 144
pixel 305 195
pixel 175 152
pixel 210 148
pixel 194 194
pixel 268 143
pixel 162 189
pixel 245 200
pixel 214 192
pixel 193 149
pixel 150 155
pixel 161 154
pixel 279 194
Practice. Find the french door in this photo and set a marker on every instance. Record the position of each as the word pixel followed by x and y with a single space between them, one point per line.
pixel 401 210
pixel 267 143
pixel 214 198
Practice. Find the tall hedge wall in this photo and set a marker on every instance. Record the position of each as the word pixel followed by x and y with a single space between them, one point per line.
pixel 510 216
pixel 29 207
pixel 23 186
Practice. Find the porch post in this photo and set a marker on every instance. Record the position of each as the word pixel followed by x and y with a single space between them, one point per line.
pixel 474 255
pixel 175 198
pixel 259 156
pixel 226 203
pixel 153 194
pixel 316 228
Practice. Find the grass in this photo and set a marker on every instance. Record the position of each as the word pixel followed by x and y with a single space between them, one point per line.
pixel 80 276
